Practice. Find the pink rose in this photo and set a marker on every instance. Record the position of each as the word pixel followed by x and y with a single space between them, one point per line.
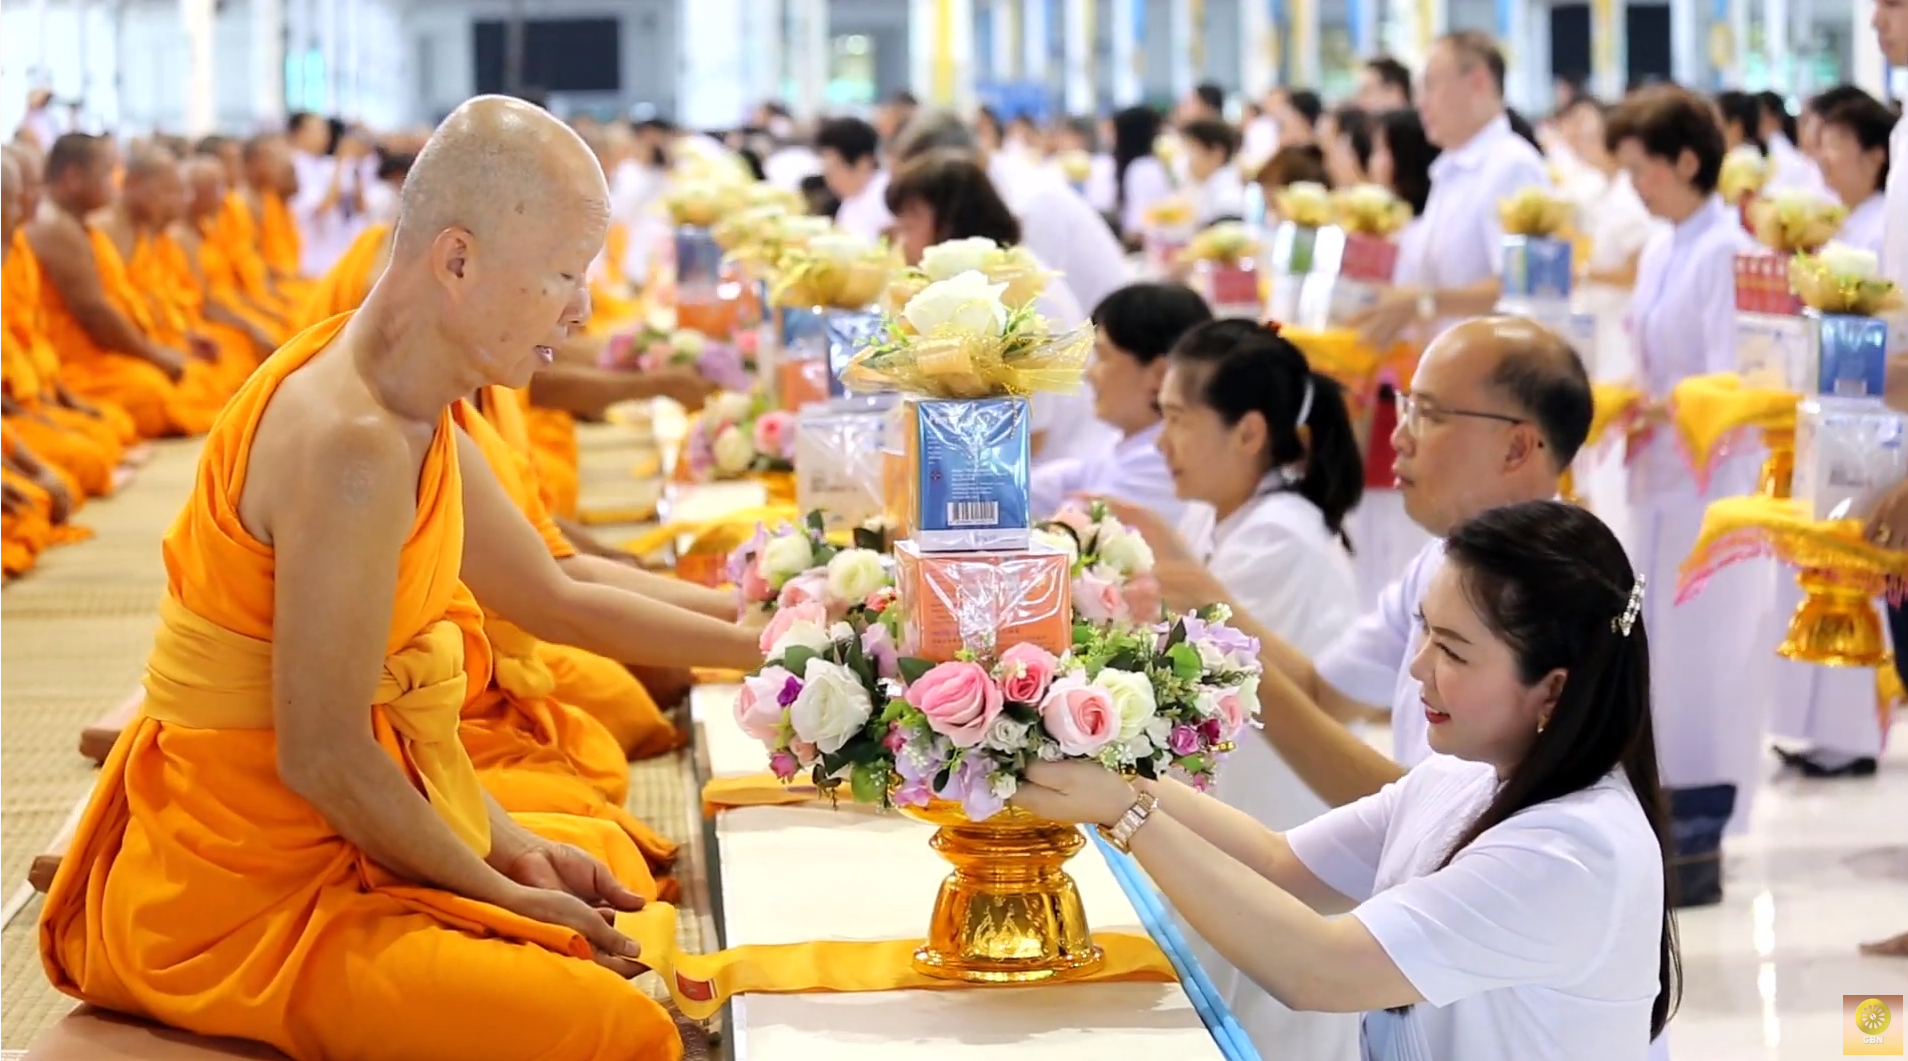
pixel 959 700
pixel 775 434
pixel 1143 600
pixel 809 611
pixel 1077 521
pixel 1080 717
pixel 802 589
pixel 784 766
pixel 1229 710
pixel 879 646
pixel 1097 600
pixel 1025 672
pixel 747 342
pixel 763 702
pixel 805 753
pixel 754 587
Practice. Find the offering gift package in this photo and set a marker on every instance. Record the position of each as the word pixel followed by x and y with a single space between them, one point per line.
pixel 1342 276
pixel 967 473
pixel 838 460
pixel 983 602
pixel 1537 267
pixel 1847 451
pixel 1850 353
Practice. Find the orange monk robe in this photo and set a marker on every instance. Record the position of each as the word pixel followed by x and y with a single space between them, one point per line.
pixel 553 448
pixel 201 892
pixel 224 287
pixel 162 270
pixel 279 244
pixel 601 686
pixel 24 315
pixel 31 530
pixel 349 281
pixel 87 455
pixel 157 405
pixel 235 233
pixel 533 751
pixel 610 290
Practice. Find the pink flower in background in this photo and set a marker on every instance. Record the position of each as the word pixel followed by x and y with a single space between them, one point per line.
pixel 879 600
pixel 754 587
pixel 784 766
pixel 1080 717
pixel 879 644
pixel 616 352
pixel 1025 672
pixel 959 700
pixel 763 702
pixel 802 589
pixel 722 365
pixel 747 342
pixel 1143 601
pixel 804 751
pixel 1098 600
pixel 1230 710
pixel 808 611
pixel 775 434
pixel 896 739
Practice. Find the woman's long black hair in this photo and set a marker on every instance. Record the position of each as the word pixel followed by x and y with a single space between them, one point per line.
pixel 1411 155
pixel 1134 130
pixel 954 186
pixel 1553 583
pixel 1247 367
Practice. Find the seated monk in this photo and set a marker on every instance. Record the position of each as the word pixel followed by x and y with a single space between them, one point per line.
pixel 213 270
pixel 290 845
pixel 107 340
pixel 234 232
pixel 151 198
pixel 270 182
pixel 38 502
pixel 84 446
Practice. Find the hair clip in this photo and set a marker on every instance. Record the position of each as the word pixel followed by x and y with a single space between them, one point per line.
pixel 1624 623
pixel 1275 327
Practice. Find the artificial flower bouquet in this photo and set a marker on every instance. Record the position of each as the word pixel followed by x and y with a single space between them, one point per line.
pixel 1075 165
pixel 1223 258
pixel 1014 267
pixel 959 338
pixel 1370 210
pixel 797 564
pixel 1307 204
pixel 1744 173
pixel 1794 220
pixel 1539 260
pixel 729 365
pixel 1165 229
pixel 823 299
pixel 1847 339
pixel 1110 563
pixel 738 435
pixel 1224 243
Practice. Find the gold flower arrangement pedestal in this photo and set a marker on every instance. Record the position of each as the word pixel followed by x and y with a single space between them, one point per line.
pixel 1009 913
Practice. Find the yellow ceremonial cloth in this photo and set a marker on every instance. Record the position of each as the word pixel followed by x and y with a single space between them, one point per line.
pixel 753 790
pixel 1738 528
pixel 202 892
pixel 349 281
pixel 1610 403
pixel 700 984
pixel 1706 410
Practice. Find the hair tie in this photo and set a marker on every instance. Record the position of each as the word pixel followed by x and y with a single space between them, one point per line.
pixel 1305 403
pixel 1275 327
pixel 1623 624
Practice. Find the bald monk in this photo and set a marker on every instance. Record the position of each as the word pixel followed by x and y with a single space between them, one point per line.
pixel 213 269
pixel 270 182
pixel 81 443
pixel 235 230
pixel 290 844
pixel 105 334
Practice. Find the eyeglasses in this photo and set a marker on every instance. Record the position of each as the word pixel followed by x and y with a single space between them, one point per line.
pixel 1414 412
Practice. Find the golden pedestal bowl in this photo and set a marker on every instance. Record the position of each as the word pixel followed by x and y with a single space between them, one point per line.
pixel 1009 913
pixel 1836 625
pixel 1778 468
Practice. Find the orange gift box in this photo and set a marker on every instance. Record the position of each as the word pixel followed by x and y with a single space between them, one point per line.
pixel 985 602
pixel 797 383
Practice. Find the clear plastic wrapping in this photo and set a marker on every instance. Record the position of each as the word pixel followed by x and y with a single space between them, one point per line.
pixel 982 602
pixel 968 473
pixel 698 258
pixel 1847 452
pixel 1324 277
pixel 1772 351
pixel 838 461
pixel 1230 288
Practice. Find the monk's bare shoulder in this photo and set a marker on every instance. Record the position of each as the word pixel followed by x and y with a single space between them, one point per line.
pixel 57 234
pixel 323 449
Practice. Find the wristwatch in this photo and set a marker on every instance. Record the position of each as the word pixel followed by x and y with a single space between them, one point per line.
pixel 1121 835
pixel 1427 305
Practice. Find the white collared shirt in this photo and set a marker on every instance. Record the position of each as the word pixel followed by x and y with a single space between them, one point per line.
pixel 1063 230
pixel 1129 468
pixel 865 213
pixel 1895 241
pixel 1790 169
pixel 1683 322
pixel 1866 224
pixel 1463 242
pixel 1540 939
pixel 1220 195
pixel 1280 562
pixel 786 167
pixel 1371 661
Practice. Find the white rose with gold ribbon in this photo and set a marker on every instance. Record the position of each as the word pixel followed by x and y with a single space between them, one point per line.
pixel 949 259
pixel 964 303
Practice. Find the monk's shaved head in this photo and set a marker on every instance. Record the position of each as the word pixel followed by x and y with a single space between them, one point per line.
pixel 205 186
pixel 10 205
pixel 494 165
pixel 149 160
pixel 153 190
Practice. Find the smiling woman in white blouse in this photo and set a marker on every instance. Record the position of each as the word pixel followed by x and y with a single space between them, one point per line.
pixel 1853 146
pixel 1506 897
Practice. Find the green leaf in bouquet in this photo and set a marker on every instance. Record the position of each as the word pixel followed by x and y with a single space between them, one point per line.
pixel 1186 663
pixel 1082 635
pixel 831 763
pixel 869 783
pixel 1198 763
pixel 895 711
pixel 913 668
pixel 795 660
pixel 817 522
pixel 869 539
pixel 856 659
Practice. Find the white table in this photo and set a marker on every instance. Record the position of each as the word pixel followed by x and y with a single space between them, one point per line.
pixel 807 872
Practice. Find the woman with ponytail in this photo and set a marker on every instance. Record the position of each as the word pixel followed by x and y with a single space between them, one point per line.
pixel 1508 895
pixel 1262 450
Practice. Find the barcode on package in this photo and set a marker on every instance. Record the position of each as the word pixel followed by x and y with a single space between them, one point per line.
pixel 973 513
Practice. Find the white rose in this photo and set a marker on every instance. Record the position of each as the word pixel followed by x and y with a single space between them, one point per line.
pixel 687 341
pixel 855 573
pixel 841 632
pixel 1126 552
pixel 1132 696
pixel 1211 657
pixel 839 246
pixel 1849 263
pixel 944 261
pixel 832 706
pixel 802 230
pixel 729 407
pixel 734 451
pixel 967 302
pixel 801 635
pixel 1004 785
pixel 1060 540
pixel 1006 735
pixel 787 555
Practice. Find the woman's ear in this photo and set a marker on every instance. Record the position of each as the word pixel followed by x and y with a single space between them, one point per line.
pixel 1251 436
pixel 1153 376
pixel 1545 695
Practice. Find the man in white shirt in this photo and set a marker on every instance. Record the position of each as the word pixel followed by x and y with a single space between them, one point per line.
pixel 1455 273
pixel 851 165
pixel 329 206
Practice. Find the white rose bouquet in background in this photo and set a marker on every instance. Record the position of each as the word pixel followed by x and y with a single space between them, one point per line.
pixel 1112 565
pixel 737 435
pixel 1844 279
pixel 793 565
pixel 958 338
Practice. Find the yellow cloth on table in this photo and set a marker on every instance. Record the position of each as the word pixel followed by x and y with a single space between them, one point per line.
pixel 753 790
pixel 701 983
pixel 721 534
pixel 1708 409
pixel 1739 528
pixel 1610 402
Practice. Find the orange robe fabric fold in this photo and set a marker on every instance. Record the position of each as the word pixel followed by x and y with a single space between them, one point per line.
pixel 24 315
pixel 553 448
pixel 534 751
pixel 161 266
pixel 279 244
pixel 202 892
pixel 348 282
pixel 75 444
pixel 234 234
pixel 158 405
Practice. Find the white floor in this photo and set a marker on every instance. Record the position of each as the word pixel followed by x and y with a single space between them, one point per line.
pixel 1823 868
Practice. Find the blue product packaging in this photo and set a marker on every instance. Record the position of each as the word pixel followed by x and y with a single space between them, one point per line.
pixel 1850 354
pixel 849 331
pixel 698 257
pixel 1535 267
pixel 802 331
pixel 969 473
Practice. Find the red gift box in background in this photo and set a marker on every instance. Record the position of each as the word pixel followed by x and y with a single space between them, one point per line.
pixel 1762 285
pixel 1233 285
pixel 1369 258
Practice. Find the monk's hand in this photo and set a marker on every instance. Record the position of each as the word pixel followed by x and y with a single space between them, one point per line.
pixel 202 347
pixel 56 491
pixel 170 361
pixel 1888 524
pixel 562 885
pixel 1074 791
